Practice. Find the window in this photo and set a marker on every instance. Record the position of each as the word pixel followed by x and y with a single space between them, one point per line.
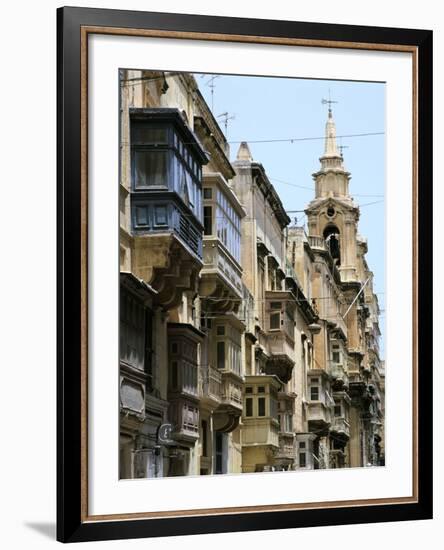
pixel 261 389
pixel 261 406
pixel 302 460
pixel 336 356
pixel 150 169
pixel 228 226
pixel 249 406
pixel 275 321
pixel 153 136
pixel 174 374
pixel 207 193
pixel 220 330
pixel 285 423
pixel 149 352
pixel 204 438
pixel 314 393
pixel 132 331
pixel 338 410
pixel 248 389
pixel 302 444
pixel 219 453
pixel 220 355
pixel 208 220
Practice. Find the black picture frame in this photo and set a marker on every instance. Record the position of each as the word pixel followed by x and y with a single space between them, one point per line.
pixel 71 523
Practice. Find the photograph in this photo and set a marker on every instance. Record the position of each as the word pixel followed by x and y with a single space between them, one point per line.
pixel 252 246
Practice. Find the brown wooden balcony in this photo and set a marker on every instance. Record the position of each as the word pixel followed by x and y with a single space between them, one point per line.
pixel 210 386
pixel 184 417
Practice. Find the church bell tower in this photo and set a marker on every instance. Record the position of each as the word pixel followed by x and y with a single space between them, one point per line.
pixel 332 214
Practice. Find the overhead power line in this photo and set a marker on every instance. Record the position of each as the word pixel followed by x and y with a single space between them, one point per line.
pixel 293 139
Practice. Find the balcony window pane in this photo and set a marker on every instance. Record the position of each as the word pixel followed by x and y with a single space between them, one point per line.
pixel 132 329
pixel 151 136
pixel 208 220
pixel 302 460
pixel 204 438
pixel 275 321
pixel 150 169
pixel 208 193
pixel 314 393
pixel 221 355
pixel 261 406
pixel 249 406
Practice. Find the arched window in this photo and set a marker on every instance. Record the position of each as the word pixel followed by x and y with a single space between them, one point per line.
pixel 332 240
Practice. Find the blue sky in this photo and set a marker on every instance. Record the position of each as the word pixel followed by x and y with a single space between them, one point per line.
pixel 282 108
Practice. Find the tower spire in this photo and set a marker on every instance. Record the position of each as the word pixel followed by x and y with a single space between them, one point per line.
pixel 331 147
pixel 332 178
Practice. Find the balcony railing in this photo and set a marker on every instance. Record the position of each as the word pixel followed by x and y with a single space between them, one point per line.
pixel 210 383
pixel 231 393
pixel 163 212
pixel 317 242
pixel 217 260
pixel 286 447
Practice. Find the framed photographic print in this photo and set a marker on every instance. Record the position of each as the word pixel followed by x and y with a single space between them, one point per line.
pixel 245 266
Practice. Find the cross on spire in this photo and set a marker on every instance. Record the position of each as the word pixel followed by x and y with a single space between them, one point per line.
pixel 328 101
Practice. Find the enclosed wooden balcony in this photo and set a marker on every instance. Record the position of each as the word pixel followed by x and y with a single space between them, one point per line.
pixel 184 417
pixel 285 456
pixel 260 417
pixel 280 307
pixel 183 386
pixel 165 202
pixel 229 411
pixel 340 427
pixel 318 414
pixel 339 375
pixel 210 386
pixel 221 275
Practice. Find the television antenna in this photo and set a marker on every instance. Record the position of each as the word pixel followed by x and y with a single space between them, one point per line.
pixel 211 84
pixel 225 118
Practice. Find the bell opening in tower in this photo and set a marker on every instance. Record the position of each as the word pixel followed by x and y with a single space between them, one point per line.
pixel 332 240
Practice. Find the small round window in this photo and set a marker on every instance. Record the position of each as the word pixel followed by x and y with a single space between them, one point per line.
pixel 330 212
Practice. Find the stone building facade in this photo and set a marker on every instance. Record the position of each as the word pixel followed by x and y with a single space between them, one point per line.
pixel 246 345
